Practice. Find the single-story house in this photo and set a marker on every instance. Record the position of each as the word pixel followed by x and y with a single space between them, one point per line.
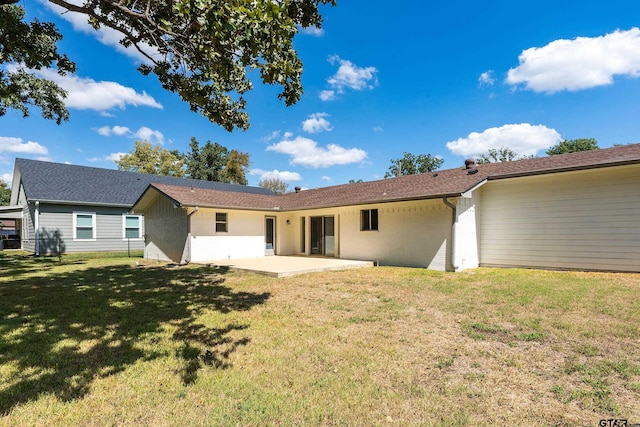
pixel 571 211
pixel 62 208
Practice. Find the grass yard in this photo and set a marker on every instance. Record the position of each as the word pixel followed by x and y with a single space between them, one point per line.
pixel 103 341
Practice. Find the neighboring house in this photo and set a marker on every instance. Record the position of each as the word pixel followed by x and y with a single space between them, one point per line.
pixel 67 208
pixel 572 211
pixel 7 226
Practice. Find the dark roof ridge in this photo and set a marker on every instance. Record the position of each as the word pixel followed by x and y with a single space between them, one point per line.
pixel 76 184
pixel 132 173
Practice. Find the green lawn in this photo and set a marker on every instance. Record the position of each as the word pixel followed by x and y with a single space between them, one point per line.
pixel 89 340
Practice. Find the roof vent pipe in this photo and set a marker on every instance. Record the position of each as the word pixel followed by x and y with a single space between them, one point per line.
pixel 469 163
pixel 297 189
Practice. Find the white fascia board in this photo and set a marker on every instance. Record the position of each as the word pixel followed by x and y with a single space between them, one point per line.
pixel 469 193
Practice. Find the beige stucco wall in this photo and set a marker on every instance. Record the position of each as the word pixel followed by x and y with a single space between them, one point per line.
pixel 414 233
pixel 289 235
pixel 575 220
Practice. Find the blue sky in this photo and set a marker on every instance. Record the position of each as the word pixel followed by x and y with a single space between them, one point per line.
pixel 451 79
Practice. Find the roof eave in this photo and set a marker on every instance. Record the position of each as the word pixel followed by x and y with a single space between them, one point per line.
pixel 230 207
pixel 153 187
pixel 373 202
pixel 71 202
pixel 564 169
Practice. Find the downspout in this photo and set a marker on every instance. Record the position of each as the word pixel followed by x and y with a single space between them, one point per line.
pixel 37 227
pixel 195 209
pixel 453 231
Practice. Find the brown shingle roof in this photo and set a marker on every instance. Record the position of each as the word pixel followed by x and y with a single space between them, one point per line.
pixel 445 183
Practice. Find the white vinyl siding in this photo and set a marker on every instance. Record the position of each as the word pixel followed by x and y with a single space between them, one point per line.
pixel 84 226
pixel 573 220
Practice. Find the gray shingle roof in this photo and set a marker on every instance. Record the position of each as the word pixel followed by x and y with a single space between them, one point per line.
pixel 445 183
pixel 47 181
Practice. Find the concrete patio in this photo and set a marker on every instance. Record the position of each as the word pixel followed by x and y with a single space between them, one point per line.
pixel 283 266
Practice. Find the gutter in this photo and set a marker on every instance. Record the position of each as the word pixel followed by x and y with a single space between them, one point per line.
pixel 36 225
pixel 446 201
pixel 67 202
pixel 317 207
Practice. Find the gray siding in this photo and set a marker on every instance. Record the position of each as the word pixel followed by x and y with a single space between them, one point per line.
pixel 166 231
pixel 56 230
pixel 574 220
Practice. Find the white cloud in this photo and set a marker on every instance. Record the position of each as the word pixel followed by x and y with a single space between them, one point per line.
pixel 351 76
pixel 88 94
pixel 305 152
pixel 7 178
pixel 328 95
pixel 104 131
pixel 16 145
pixel 378 129
pixel 273 135
pixel 486 78
pixel 326 178
pixel 121 130
pixel 113 157
pixel 143 134
pixel 285 176
pixel 348 76
pixel 317 123
pixel 149 135
pixel 524 139
pixel 312 31
pixel 104 35
pixel 581 63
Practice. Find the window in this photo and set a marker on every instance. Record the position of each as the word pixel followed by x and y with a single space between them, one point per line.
pixel 84 226
pixel 368 219
pixel 221 222
pixel 131 228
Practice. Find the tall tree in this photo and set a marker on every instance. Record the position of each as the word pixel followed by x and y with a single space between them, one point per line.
pixel 411 164
pixel 502 154
pixel 205 50
pixel 23 47
pixel 276 185
pixel 152 159
pixel 5 194
pixel 206 163
pixel 214 162
pixel 573 146
pixel 236 166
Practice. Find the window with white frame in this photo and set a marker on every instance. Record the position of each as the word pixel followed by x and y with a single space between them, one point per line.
pixel 221 222
pixel 131 227
pixel 84 226
pixel 368 219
